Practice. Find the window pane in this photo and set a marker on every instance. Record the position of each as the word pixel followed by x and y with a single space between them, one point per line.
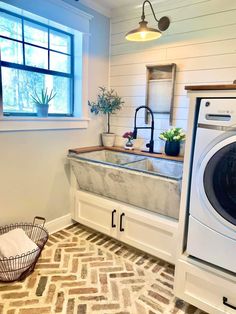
pixel 36 34
pixel 61 102
pixel 36 57
pixel 60 42
pixel 19 85
pixel 11 51
pixel 59 62
pixel 10 26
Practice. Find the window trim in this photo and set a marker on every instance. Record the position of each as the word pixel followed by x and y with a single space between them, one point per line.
pixel 81 114
pixel 35 123
pixel 47 71
pixel 31 123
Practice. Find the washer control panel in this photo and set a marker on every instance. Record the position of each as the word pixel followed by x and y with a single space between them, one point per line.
pixel 218 111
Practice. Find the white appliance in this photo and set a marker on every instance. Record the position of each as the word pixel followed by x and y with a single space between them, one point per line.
pixel 212 200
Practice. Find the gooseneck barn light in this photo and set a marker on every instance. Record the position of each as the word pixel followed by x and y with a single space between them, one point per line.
pixel 145 33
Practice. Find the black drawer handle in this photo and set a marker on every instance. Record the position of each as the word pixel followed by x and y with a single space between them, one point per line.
pixel 113 225
pixel 225 302
pixel 121 222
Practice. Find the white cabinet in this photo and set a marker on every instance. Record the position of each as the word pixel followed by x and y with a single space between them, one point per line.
pixel 97 213
pixel 211 291
pixel 147 231
pixel 150 232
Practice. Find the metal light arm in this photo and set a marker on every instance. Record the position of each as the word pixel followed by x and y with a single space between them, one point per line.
pixel 143 14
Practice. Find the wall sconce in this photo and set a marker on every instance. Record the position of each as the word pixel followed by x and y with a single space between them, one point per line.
pixel 145 33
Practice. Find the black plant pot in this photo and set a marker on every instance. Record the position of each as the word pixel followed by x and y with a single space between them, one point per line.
pixel 172 148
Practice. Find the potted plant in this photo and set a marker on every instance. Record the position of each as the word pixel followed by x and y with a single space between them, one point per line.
pixel 172 137
pixel 42 101
pixel 108 102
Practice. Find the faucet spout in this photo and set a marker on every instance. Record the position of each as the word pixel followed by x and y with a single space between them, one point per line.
pixel 150 145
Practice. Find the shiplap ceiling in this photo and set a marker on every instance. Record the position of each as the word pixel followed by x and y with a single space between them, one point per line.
pixel 113 4
pixel 106 6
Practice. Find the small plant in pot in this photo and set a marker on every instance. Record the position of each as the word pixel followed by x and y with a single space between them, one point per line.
pixel 173 137
pixel 129 136
pixel 42 100
pixel 108 102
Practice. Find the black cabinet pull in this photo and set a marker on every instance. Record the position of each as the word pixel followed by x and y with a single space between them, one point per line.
pixel 225 302
pixel 113 225
pixel 121 222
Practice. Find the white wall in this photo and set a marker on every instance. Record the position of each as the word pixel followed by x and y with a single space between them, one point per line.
pixel 33 167
pixel 201 40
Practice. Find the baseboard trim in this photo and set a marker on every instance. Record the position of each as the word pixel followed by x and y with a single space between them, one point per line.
pixel 58 223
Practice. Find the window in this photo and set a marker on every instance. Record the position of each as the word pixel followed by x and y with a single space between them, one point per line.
pixel 35 56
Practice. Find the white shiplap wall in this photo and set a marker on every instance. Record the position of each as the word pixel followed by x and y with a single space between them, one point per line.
pixel 201 40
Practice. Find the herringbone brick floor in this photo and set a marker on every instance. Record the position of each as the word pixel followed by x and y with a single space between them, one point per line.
pixel 82 272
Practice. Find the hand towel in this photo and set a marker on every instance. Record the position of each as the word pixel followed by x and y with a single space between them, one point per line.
pixel 15 242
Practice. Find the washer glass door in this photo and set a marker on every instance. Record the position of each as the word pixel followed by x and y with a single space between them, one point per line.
pixel 219 181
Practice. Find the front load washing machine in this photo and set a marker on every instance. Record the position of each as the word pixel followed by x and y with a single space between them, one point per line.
pixel 211 233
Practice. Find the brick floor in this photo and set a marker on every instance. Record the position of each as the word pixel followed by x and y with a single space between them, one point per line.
pixel 82 271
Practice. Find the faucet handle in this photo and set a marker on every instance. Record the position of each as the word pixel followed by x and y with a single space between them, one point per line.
pixel 148 145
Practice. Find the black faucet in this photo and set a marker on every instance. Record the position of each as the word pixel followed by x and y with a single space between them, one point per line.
pixel 150 145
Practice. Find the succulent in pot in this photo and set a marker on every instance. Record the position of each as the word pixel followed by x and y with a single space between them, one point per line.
pixel 172 137
pixel 108 102
pixel 42 101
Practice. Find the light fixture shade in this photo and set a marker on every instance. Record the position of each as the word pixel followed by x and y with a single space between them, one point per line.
pixel 143 33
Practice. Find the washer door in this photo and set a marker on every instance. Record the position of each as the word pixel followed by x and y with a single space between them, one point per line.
pixel 219 179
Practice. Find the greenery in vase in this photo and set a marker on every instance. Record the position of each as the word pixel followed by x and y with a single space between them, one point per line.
pixel 108 102
pixel 173 135
pixel 43 98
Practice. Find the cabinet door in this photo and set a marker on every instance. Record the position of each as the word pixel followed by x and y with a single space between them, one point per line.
pixel 96 212
pixel 148 231
pixel 214 292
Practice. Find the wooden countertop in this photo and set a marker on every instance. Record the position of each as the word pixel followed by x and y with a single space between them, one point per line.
pixel 120 149
pixel 211 87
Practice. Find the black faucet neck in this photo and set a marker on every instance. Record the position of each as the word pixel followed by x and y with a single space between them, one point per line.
pixel 150 145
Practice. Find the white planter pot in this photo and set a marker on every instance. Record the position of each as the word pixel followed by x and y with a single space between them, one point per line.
pixel 108 139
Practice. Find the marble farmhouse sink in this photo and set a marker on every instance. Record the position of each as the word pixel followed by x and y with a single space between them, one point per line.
pixel 150 183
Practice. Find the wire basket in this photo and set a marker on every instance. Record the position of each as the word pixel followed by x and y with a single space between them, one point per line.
pixel 20 266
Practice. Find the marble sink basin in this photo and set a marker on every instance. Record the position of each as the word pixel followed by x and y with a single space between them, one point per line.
pixel 159 167
pixel 109 157
pixel 150 183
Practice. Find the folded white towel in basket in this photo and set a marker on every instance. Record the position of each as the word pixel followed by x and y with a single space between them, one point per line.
pixel 15 242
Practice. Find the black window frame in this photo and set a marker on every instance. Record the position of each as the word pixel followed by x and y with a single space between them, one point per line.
pixel 40 70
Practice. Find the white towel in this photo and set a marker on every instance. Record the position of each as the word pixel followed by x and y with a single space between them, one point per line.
pixel 15 242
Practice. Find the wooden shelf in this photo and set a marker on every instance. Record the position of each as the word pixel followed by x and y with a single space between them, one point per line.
pixel 210 87
pixel 123 150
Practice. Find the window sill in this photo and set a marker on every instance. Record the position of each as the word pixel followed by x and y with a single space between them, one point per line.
pixel 49 123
